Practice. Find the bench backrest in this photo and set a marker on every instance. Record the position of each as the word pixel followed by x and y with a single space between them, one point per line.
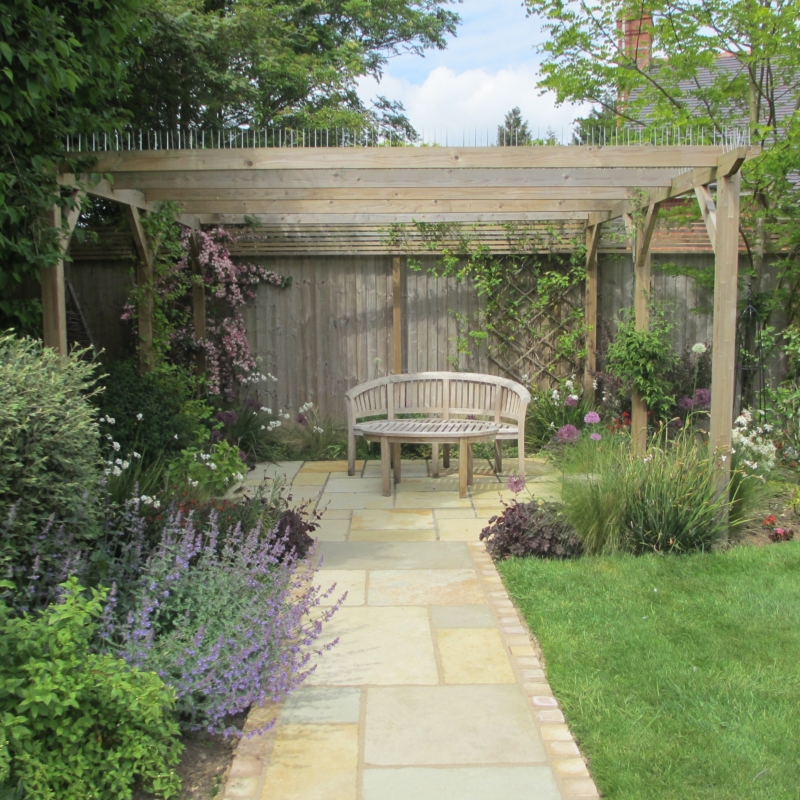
pixel 439 394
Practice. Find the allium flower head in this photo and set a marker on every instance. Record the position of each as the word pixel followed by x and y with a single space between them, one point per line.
pixel 595 437
pixel 568 433
pixel 699 348
pixel 592 418
pixel 515 483
pixel 571 401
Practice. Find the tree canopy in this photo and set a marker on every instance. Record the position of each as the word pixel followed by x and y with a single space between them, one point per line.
pixel 706 63
pixel 514 130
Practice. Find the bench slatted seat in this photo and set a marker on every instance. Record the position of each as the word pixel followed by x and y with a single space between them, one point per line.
pixel 441 395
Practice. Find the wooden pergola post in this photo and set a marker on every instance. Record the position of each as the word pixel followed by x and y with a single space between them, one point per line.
pixel 592 243
pixel 723 356
pixel 54 298
pixel 144 279
pixel 643 235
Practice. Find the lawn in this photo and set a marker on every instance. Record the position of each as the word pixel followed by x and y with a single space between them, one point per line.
pixel 679 675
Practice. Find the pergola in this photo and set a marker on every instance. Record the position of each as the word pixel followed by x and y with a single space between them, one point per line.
pixel 389 185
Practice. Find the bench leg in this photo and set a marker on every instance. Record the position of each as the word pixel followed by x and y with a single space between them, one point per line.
pixel 435 460
pixel 351 455
pixel 498 457
pixel 446 459
pixel 396 460
pixel 386 467
pixel 471 464
pixel 463 468
pixel 522 459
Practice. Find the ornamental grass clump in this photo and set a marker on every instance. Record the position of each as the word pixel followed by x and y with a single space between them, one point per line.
pixel 666 501
pixel 228 620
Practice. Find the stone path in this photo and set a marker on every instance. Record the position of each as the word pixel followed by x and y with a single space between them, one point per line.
pixel 434 691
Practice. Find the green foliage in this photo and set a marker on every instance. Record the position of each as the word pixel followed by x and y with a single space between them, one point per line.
pixel 514 130
pixel 784 400
pixel 172 418
pixel 208 473
pixel 314 437
pixel 712 64
pixel 667 501
pixel 677 675
pixel 62 70
pixel 644 359
pixel 74 724
pixel 550 410
pixel 49 441
pixel 259 63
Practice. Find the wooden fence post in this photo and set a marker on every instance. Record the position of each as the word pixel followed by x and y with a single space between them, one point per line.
pixel 198 302
pixel 397 314
pixel 144 279
pixel 641 300
pixel 723 356
pixel 592 243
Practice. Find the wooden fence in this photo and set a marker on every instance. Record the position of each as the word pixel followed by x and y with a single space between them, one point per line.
pixel 333 327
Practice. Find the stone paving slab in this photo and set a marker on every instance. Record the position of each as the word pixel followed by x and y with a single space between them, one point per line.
pixel 435 690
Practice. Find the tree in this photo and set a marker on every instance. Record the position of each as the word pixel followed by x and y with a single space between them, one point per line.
pixel 258 63
pixel 707 63
pixel 62 70
pixel 514 130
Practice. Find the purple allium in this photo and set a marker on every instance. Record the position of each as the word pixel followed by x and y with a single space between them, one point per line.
pixel 227 417
pixel 243 455
pixel 685 404
pixel 595 436
pixel 301 419
pixel 515 483
pixel 568 433
pixel 592 418
pixel 217 436
pixel 702 398
pixel 571 401
pixel 677 422
pixel 252 404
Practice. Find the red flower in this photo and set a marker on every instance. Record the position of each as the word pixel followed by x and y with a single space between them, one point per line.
pixel 769 521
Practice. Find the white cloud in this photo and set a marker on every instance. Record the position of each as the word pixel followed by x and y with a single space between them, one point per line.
pixel 463 105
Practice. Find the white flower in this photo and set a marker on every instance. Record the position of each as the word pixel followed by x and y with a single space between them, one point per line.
pixel 212 465
pixel 136 455
pixel 287 416
pixel 176 436
pixel 110 420
pixel 305 407
pixel 699 348
pixel 318 430
pixel 125 464
pixel 116 471
pixel 724 459
pixel 594 384
pixel 193 484
pixel 556 396
pixel 139 417
pixel 156 504
pixel 263 426
pixel 574 397
pixel 272 377
pixel 238 476
pixel 276 423
pixel 569 385
pixel 265 410
pixel 205 456
pixel 115 445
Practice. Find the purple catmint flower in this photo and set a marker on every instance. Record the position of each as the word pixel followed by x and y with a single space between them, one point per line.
pixel 515 483
pixel 567 433
pixel 592 418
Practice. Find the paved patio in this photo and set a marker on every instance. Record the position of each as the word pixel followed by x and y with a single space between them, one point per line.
pixel 434 690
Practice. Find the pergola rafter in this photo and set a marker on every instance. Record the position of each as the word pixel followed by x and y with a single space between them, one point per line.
pixel 382 186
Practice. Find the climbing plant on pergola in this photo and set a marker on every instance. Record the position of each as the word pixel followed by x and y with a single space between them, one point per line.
pixel 358 185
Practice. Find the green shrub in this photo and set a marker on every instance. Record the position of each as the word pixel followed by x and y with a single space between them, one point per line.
pixel 315 438
pixel 49 442
pixel 209 473
pixel 667 501
pixel 74 724
pixel 156 415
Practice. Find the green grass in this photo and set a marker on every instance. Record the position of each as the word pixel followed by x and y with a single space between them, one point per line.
pixel 679 675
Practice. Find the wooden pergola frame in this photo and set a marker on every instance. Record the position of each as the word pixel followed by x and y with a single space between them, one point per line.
pixel 388 185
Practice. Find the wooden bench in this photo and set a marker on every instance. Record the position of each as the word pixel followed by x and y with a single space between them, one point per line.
pixel 441 395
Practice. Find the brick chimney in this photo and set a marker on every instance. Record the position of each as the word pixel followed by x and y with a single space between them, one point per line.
pixel 637 39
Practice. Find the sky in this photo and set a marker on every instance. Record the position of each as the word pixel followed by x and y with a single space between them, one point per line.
pixel 489 68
